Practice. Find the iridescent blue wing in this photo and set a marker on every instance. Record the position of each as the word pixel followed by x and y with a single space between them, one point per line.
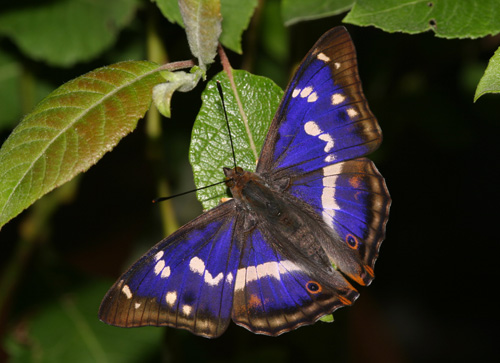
pixel 314 147
pixel 274 294
pixel 323 117
pixel 185 281
pixel 353 200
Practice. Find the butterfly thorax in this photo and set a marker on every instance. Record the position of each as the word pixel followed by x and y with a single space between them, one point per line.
pixel 252 193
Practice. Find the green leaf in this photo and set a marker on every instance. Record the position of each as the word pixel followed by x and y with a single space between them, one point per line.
pixel 447 18
pixel 170 10
pixel 64 32
pixel 67 330
pixel 236 17
pixel 203 27
pixel 327 318
pixel 210 148
pixel 490 82
pixel 70 130
pixel 295 11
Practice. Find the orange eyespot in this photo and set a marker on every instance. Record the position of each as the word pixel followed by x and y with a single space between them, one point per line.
pixel 313 287
pixel 352 241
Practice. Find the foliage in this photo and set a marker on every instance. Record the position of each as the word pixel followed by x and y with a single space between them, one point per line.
pixel 66 133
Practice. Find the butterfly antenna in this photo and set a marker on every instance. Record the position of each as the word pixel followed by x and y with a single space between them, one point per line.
pixel 184 193
pixel 219 88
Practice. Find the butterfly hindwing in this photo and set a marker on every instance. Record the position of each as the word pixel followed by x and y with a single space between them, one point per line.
pixel 274 294
pixel 352 199
pixel 185 281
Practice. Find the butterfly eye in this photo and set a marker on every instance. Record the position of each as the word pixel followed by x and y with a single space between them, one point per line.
pixel 352 241
pixel 313 287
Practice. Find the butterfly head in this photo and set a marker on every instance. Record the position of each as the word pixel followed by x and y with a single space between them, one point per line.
pixel 234 176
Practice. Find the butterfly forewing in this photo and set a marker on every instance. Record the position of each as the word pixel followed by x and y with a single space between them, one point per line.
pixel 323 117
pixel 185 281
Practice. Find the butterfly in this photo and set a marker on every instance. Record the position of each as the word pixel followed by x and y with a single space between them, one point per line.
pixel 287 248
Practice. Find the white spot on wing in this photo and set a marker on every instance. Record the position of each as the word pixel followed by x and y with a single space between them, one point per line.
pixel 186 309
pixel 165 273
pixel 229 278
pixel 330 181
pixel 213 281
pixel 159 267
pixel 337 65
pixel 306 92
pixel 327 219
pixel 313 97
pixel 127 292
pixel 352 112
pixel 240 279
pixel 312 128
pixel 288 266
pixel 268 269
pixel 197 265
pixel 296 92
pixel 334 169
pixel 323 57
pixel 329 141
pixel 171 297
pixel 159 255
pixel 137 305
pixel 328 201
pixel 271 269
pixel 337 98
pixel 251 273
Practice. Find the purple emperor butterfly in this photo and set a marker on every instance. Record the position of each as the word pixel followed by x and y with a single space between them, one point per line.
pixel 285 250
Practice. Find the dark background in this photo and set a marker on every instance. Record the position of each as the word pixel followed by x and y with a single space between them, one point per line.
pixel 434 296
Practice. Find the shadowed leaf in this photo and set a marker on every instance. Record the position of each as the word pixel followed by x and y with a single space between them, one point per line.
pixel 490 82
pixel 295 11
pixel 65 32
pixel 446 18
